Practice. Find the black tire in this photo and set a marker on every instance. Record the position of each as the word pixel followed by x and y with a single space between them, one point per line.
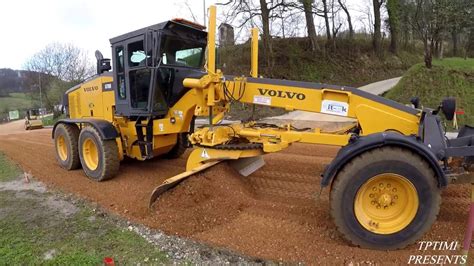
pixel 386 160
pixel 70 135
pixel 108 162
pixel 180 147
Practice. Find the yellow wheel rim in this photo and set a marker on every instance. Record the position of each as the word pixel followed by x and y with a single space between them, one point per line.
pixel 61 147
pixel 386 203
pixel 90 154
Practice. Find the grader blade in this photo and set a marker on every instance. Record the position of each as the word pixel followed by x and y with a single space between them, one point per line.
pixel 175 180
pixel 246 166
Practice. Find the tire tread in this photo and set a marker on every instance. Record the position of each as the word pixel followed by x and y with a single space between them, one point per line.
pixel 384 153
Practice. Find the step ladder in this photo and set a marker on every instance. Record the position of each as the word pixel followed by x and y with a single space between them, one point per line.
pixel 145 140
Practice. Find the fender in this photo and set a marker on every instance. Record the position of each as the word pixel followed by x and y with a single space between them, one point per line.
pixel 360 145
pixel 106 130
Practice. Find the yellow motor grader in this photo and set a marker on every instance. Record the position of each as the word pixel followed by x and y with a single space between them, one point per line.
pixel 384 183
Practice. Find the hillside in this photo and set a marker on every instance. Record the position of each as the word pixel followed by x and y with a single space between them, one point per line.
pixel 450 77
pixel 12 81
pixel 352 64
pixel 19 90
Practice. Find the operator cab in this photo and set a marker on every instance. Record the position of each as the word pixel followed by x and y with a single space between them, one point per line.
pixel 33 114
pixel 150 65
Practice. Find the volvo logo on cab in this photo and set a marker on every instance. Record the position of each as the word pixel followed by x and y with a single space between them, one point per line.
pixel 282 94
pixel 91 89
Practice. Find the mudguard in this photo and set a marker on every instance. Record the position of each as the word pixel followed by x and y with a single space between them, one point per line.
pixel 106 130
pixel 360 145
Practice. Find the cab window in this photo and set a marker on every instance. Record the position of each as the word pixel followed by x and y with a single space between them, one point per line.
pixel 139 75
pixel 181 52
pixel 120 72
pixel 136 54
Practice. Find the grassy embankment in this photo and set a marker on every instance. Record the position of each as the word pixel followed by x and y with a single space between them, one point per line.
pixel 450 77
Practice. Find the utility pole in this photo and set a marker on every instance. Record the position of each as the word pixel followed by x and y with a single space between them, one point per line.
pixel 41 94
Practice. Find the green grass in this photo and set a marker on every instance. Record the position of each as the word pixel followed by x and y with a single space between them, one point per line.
pixel 8 170
pixel 29 229
pixel 450 77
pixel 456 63
pixel 25 238
pixel 49 120
pixel 16 101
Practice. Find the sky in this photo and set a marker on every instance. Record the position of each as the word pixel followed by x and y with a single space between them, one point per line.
pixel 27 26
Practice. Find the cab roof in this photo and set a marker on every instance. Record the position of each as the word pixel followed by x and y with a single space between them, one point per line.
pixel 170 25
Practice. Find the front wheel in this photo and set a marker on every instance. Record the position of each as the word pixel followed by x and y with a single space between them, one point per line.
pixel 385 199
pixel 99 158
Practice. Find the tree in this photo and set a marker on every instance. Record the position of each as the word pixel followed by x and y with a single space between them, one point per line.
pixel 308 12
pixel 349 20
pixel 63 61
pixel 247 10
pixel 326 19
pixel 407 8
pixel 335 29
pixel 470 44
pixel 56 68
pixel 430 21
pixel 267 38
pixel 393 10
pixel 460 21
pixel 377 38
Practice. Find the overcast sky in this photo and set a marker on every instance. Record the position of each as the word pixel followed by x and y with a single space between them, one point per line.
pixel 26 26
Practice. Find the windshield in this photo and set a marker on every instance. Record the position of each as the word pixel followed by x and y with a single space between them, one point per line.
pixel 181 52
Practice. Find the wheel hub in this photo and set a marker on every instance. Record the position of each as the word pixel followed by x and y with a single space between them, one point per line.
pixel 386 203
pixel 91 154
pixel 61 148
pixel 385 200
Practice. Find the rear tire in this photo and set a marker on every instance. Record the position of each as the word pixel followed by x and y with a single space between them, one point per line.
pixel 180 147
pixel 385 199
pixel 99 158
pixel 65 141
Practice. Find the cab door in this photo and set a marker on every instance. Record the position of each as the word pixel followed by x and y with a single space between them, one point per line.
pixel 138 76
pixel 135 77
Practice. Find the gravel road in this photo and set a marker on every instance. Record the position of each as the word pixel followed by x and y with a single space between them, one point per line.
pixel 271 215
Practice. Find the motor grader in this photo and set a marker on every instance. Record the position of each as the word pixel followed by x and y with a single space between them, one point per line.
pixel 384 183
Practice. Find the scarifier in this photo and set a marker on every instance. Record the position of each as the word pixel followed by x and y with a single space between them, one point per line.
pixel 385 181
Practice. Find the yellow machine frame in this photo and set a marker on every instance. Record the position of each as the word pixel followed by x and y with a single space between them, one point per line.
pixel 214 91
